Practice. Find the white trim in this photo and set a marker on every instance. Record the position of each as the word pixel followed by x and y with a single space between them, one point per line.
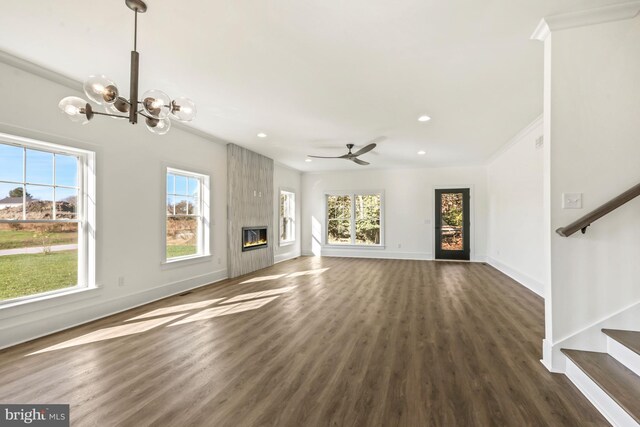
pixel 582 18
pixel 186 260
pixel 624 355
pixel 282 243
pixel 204 229
pixel 591 338
pixel 285 257
pixel 59 297
pixel 527 281
pixel 515 139
pixel 360 252
pixel 85 211
pixel 598 397
pixel 597 323
pixel 35 328
pixel 353 194
pixel 542 31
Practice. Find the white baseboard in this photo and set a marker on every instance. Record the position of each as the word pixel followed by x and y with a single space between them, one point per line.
pixel 591 338
pixel 599 398
pixel 375 253
pixel 26 329
pixel 525 280
pixel 285 257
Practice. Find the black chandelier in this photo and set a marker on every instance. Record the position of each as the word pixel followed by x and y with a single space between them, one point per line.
pixel 156 106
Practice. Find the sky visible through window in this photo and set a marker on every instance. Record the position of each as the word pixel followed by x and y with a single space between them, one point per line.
pixel 39 170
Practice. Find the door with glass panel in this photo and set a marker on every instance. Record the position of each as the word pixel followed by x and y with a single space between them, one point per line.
pixel 452 224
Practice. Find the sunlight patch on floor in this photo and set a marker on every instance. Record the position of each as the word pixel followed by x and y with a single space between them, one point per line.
pixel 263 278
pixel 254 295
pixel 176 309
pixel 225 310
pixel 308 272
pixel 110 333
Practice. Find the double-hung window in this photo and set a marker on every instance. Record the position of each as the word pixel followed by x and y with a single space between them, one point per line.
pixel 287 217
pixel 187 222
pixel 354 219
pixel 46 218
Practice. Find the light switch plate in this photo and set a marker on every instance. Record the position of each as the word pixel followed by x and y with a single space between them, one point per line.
pixel 571 200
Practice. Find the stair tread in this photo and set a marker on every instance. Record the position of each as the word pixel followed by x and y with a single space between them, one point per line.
pixel 618 381
pixel 630 339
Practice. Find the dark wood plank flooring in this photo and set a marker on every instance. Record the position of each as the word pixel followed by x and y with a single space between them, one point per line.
pixel 311 342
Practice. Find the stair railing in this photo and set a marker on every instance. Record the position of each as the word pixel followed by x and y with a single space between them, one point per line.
pixel 613 204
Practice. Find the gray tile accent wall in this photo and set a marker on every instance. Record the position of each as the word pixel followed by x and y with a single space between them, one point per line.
pixel 249 203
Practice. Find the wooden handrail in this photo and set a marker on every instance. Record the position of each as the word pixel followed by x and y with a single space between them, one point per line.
pixel 585 221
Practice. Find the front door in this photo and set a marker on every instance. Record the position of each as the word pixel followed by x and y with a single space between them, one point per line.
pixel 452 224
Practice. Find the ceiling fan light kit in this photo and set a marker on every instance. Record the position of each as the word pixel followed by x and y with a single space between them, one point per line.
pixel 352 156
pixel 155 106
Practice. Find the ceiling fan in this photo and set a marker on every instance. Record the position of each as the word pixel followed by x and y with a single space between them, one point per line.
pixel 352 156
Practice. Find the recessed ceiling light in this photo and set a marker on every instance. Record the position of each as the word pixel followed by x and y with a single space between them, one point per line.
pixel 422 152
pixel 307 160
pixel 262 135
pixel 424 118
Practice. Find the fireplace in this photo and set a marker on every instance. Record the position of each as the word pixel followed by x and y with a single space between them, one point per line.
pixel 254 238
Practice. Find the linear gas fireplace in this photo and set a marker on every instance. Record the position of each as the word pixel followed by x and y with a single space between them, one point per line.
pixel 254 238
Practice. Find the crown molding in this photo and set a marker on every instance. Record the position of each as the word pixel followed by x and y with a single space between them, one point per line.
pixel 515 139
pixel 599 15
pixel 64 80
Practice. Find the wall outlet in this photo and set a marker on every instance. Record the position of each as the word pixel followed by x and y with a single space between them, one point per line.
pixel 121 281
pixel 571 200
pixel 399 245
pixel 219 261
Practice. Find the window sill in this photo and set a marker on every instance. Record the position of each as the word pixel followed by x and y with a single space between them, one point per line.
pixel 287 243
pixel 188 260
pixel 37 300
pixel 349 246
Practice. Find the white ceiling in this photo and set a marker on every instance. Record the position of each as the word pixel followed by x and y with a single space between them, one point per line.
pixel 315 75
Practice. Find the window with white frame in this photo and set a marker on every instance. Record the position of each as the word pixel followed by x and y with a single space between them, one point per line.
pixel 187 225
pixel 45 218
pixel 354 219
pixel 287 217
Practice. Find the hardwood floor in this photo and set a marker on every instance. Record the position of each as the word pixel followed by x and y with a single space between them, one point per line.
pixel 311 342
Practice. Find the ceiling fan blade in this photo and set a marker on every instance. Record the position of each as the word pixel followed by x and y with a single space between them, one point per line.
pixel 360 162
pixel 365 149
pixel 324 157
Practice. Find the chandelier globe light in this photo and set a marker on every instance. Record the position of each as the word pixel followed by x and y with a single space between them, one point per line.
pixel 155 106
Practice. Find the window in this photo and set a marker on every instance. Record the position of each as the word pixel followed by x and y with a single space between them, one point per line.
pixel 187 225
pixel 44 217
pixel 287 217
pixel 354 219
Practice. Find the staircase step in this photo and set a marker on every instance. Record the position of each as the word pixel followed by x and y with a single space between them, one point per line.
pixel 615 379
pixel 630 339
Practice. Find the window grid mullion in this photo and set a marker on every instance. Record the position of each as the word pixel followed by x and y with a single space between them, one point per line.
pixel 24 179
pixel 55 210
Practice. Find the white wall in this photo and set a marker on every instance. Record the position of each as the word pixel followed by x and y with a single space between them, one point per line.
pixel 408 213
pixel 594 142
pixel 130 205
pixel 285 178
pixel 515 205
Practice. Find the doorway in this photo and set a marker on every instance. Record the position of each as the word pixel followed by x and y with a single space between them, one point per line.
pixel 452 224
